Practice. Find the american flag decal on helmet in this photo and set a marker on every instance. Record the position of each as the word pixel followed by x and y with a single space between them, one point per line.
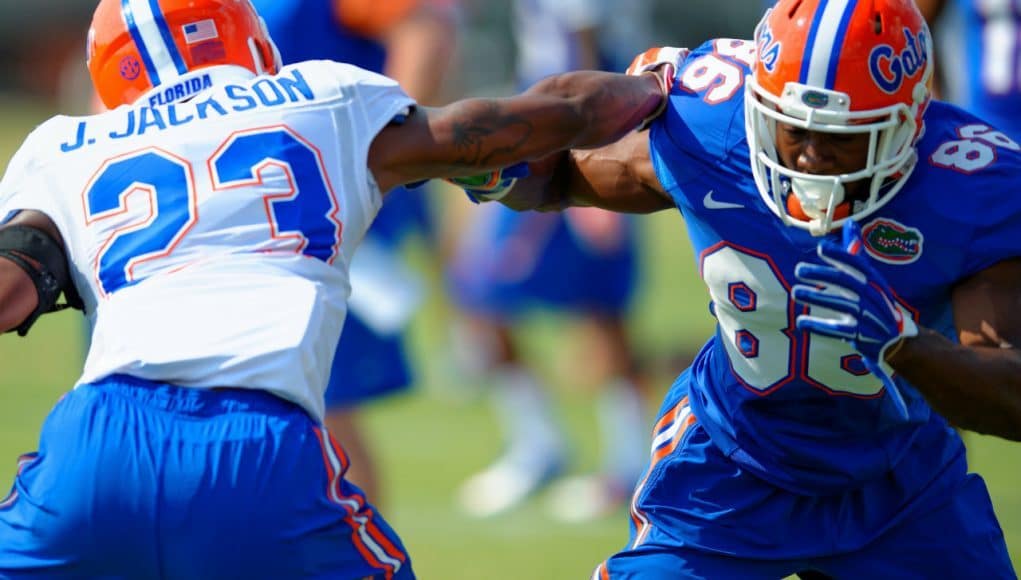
pixel 200 31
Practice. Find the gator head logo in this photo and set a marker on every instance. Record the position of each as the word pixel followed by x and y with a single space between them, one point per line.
pixel 892 242
pixel 815 99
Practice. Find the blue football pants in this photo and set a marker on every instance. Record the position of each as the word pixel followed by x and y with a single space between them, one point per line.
pixel 135 479
pixel 697 514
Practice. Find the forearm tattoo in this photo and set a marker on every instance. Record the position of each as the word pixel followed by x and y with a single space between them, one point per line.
pixel 491 134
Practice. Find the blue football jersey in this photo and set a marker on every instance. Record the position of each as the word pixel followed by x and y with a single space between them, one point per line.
pixel 796 409
pixel 991 86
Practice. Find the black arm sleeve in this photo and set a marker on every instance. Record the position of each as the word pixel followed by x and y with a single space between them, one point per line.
pixel 43 259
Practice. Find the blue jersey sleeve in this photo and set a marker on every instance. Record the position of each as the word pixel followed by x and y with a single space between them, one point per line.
pixel 975 176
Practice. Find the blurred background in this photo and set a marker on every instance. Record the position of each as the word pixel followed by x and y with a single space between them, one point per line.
pixel 38 37
pixel 429 439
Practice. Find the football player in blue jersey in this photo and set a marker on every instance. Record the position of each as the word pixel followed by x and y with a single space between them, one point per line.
pixel 984 76
pixel 411 41
pixel 206 223
pixel 861 245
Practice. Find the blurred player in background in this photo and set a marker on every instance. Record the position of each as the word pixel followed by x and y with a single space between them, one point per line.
pixel 413 42
pixel 862 249
pixel 983 72
pixel 508 263
pixel 205 224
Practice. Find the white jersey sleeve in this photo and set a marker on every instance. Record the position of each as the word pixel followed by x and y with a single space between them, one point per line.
pixel 210 239
pixel 17 188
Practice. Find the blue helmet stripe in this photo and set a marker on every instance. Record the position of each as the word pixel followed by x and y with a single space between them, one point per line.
pixel 806 61
pixel 136 35
pixel 168 39
pixel 838 43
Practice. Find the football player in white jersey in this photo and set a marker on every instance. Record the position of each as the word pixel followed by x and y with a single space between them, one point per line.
pixel 205 224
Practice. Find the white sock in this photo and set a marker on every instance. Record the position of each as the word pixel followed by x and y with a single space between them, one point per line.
pixel 623 431
pixel 533 436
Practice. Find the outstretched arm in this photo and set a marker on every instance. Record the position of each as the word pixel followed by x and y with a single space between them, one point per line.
pixel 617 177
pixel 574 110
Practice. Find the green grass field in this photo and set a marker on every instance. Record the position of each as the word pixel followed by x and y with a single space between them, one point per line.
pixel 429 441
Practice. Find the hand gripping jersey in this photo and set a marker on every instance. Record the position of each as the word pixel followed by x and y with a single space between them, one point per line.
pixel 801 411
pixel 210 239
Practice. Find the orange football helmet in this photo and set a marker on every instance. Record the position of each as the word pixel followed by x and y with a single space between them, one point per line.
pixel 838 66
pixel 135 46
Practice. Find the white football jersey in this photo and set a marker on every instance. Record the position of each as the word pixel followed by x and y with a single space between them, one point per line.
pixel 210 239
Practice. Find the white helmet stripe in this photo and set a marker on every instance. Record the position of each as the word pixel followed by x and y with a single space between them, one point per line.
pixel 147 27
pixel 824 42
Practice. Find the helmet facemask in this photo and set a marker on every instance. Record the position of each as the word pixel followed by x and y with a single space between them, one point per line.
pixel 891 153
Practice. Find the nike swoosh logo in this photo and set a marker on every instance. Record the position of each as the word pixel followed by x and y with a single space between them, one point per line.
pixel 711 203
